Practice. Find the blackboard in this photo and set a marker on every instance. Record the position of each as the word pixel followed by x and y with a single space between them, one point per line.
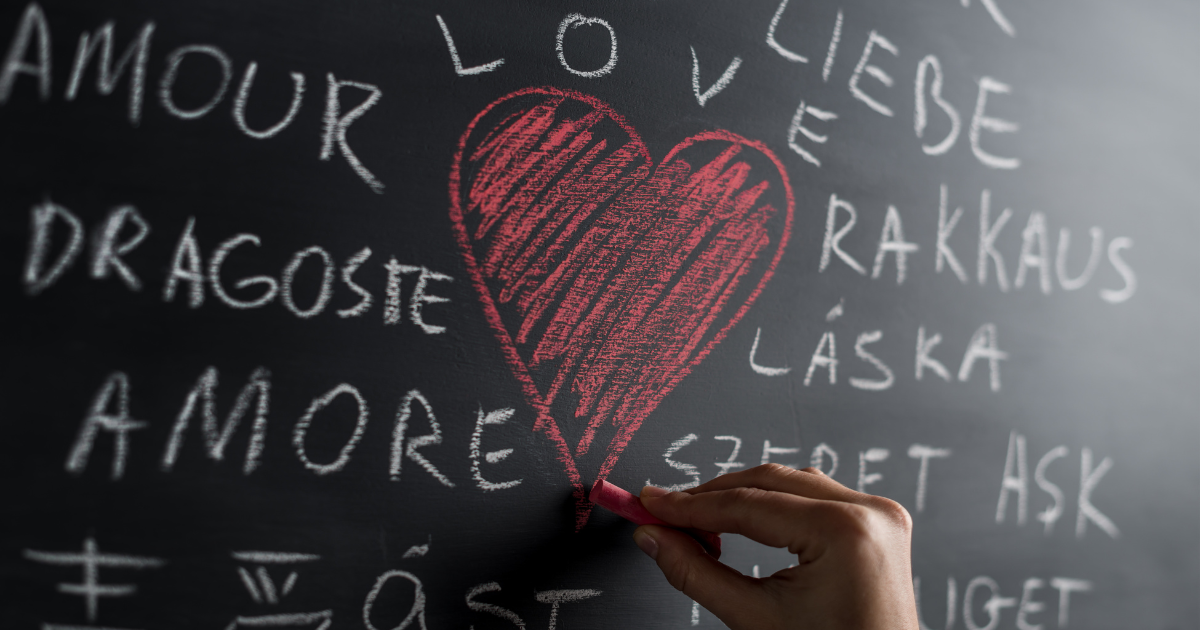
pixel 323 315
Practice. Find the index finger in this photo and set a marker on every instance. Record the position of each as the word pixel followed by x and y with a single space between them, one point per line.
pixel 809 482
pixel 775 519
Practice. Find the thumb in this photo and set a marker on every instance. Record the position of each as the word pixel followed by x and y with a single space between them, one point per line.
pixel 738 600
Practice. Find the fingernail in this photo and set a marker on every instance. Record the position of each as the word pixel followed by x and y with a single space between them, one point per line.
pixel 646 543
pixel 653 492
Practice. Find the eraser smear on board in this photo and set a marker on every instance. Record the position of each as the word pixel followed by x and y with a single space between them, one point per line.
pixel 629 507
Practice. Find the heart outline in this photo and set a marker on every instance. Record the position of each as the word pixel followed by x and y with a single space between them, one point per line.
pixel 546 423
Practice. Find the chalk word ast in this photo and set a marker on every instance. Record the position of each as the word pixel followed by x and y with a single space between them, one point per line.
pixel 124 229
pixel 110 415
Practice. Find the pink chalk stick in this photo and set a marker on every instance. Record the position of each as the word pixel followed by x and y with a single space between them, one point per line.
pixel 629 507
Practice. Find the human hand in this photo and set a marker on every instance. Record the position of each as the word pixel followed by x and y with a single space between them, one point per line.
pixel 853 566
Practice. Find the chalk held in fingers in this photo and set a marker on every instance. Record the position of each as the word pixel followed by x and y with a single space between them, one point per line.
pixel 629 507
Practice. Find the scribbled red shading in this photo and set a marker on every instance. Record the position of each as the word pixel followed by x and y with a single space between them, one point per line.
pixel 606 277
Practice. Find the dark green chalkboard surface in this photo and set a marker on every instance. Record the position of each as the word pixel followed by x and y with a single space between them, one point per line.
pixel 326 314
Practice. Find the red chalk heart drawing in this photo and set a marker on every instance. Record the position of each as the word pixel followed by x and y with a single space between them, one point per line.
pixel 606 277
